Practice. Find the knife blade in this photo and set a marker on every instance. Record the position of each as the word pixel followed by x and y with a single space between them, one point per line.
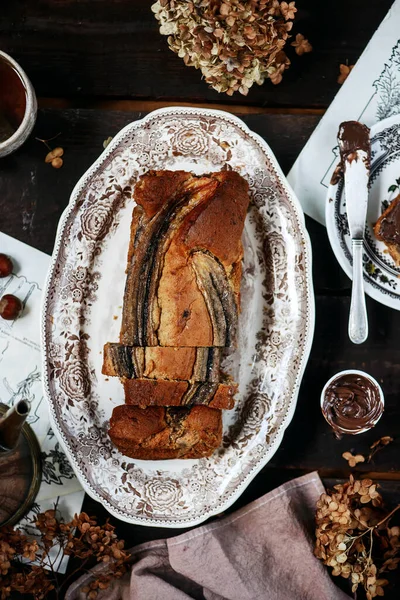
pixel 355 153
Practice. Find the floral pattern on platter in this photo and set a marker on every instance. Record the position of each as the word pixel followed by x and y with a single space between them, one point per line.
pixel 191 141
pixel 275 325
pixel 94 445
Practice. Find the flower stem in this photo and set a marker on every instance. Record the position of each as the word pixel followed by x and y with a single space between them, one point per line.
pixel 388 516
pixel 45 142
pixel 80 568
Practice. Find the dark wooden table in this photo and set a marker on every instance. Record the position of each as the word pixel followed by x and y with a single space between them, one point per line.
pixel 96 66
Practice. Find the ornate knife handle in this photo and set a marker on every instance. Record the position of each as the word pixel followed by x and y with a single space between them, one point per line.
pixel 358 320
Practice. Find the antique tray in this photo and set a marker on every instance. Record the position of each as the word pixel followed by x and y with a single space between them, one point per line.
pixel 83 302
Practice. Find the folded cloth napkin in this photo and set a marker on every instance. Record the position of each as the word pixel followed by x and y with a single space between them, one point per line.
pixel 261 552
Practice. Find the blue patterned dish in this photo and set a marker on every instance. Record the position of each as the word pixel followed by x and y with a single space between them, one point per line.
pixel 381 275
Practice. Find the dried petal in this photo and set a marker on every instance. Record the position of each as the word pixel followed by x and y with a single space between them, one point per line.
pixel 50 156
pixel 301 45
pixel 353 460
pixel 57 163
pixel 288 10
pixel 345 71
pixel 341 558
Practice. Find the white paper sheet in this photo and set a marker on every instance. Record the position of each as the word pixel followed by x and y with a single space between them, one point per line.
pixel 371 93
pixel 20 377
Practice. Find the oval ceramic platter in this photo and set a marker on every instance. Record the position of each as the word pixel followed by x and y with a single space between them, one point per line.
pixel 83 305
pixel 381 275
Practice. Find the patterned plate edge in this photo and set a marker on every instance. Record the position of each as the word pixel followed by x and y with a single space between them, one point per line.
pixel 372 292
pixel 308 334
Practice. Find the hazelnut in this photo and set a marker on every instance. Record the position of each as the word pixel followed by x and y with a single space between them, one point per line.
pixel 6 265
pixel 10 307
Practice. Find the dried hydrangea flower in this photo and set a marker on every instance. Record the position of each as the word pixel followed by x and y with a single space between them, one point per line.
pixel 288 10
pixel 349 520
pixel 24 562
pixel 234 43
pixel 301 45
pixel 378 445
pixel 353 460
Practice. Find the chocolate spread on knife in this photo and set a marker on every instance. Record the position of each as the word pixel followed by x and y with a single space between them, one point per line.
pixel 352 402
pixel 389 228
pixel 352 136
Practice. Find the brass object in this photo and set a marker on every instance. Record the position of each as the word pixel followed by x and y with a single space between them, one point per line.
pixel 11 425
pixel 20 463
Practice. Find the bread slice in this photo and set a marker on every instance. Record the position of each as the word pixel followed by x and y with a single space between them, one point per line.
pixel 184 260
pixel 387 229
pixel 155 392
pixel 160 362
pixel 157 433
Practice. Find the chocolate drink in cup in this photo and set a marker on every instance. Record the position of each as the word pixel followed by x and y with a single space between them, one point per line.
pixel 17 105
pixel 12 100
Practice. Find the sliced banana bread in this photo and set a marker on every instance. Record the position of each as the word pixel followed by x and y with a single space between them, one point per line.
pixel 156 433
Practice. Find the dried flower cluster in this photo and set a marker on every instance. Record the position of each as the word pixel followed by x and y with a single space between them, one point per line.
pixel 353 460
pixel 234 43
pixel 354 537
pixel 53 157
pixel 379 445
pixel 80 538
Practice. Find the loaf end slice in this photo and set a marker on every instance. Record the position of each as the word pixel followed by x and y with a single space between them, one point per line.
pixel 157 433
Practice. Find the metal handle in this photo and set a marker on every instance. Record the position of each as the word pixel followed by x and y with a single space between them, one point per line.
pixel 358 320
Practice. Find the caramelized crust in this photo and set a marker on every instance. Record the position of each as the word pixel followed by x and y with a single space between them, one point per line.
pixel 158 433
pixel 155 189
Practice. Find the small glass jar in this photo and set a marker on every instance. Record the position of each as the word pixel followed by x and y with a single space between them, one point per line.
pixel 352 402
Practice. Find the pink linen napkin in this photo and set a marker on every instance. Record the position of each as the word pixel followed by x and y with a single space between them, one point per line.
pixel 262 552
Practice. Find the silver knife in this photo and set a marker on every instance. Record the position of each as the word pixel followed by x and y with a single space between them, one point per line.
pixel 355 153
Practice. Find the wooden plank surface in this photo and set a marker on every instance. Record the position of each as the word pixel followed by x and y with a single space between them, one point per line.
pixel 32 200
pixel 86 49
pixel 109 55
pixel 38 193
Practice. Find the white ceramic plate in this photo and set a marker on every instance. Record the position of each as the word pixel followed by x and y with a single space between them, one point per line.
pixel 82 310
pixel 381 276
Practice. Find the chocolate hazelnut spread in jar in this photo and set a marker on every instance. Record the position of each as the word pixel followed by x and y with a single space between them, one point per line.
pixel 352 402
